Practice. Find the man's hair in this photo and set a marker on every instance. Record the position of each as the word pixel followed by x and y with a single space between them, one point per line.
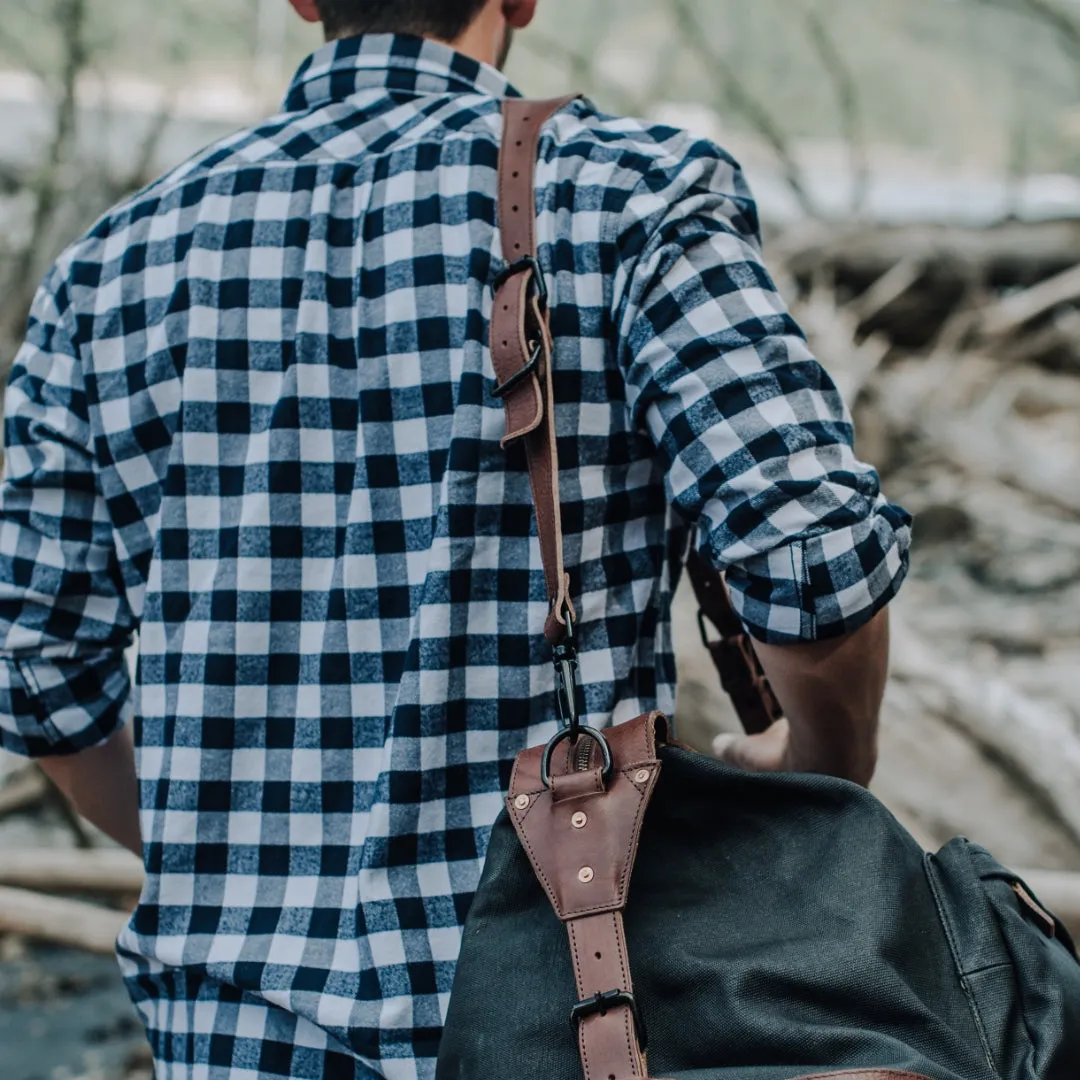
pixel 445 19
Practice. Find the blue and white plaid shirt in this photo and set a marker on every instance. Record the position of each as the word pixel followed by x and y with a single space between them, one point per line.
pixel 253 423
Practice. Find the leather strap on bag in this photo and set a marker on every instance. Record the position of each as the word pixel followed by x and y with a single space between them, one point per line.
pixel 741 673
pixel 521 352
pixel 581 834
pixel 580 820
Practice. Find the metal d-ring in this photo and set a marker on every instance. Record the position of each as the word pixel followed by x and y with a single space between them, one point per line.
pixel 562 736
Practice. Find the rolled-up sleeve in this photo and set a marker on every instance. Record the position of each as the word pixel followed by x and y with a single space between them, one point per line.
pixel 64 618
pixel 756 441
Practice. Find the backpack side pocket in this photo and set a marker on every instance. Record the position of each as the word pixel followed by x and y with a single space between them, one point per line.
pixel 1015 962
pixel 1047 970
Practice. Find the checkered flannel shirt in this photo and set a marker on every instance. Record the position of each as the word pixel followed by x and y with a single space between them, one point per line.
pixel 253 425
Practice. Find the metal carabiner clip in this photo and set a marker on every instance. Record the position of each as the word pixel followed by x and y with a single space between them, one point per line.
pixel 568 681
pixel 568 703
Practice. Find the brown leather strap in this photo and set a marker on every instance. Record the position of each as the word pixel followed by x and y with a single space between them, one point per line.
pixel 582 843
pixel 741 673
pixel 520 335
pixel 608 1039
pixel 521 347
pixel 581 831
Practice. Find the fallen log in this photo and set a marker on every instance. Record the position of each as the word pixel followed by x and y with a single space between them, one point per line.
pixel 1013 313
pixel 1033 740
pixel 1003 256
pixel 97 871
pixel 59 922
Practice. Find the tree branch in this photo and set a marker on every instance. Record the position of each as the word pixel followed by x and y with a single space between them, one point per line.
pixel 1064 25
pixel 70 17
pixel 847 96
pixel 583 73
pixel 738 97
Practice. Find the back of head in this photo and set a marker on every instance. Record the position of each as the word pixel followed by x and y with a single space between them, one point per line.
pixel 446 20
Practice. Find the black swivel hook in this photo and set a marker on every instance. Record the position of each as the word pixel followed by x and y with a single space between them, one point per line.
pixel 568 682
pixel 568 695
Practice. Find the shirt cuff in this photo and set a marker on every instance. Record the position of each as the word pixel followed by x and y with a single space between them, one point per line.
pixel 825 586
pixel 51 708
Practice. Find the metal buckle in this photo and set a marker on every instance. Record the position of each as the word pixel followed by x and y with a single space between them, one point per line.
pixel 701 626
pixel 524 373
pixel 602 1003
pixel 567 690
pixel 743 679
pixel 562 736
pixel 539 282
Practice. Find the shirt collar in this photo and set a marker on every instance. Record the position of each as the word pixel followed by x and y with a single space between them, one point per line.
pixel 392 62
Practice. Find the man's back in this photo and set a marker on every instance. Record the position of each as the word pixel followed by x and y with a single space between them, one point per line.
pixel 267 396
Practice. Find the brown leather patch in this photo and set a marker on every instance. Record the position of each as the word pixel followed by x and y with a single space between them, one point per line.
pixel 607 845
pixel 560 853
pixel 577 785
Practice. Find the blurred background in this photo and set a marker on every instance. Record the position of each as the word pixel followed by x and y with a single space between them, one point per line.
pixel 917 163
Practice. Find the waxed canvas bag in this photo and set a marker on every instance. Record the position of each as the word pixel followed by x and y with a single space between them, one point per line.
pixel 646 911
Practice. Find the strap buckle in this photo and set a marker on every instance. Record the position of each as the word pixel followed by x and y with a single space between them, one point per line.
pixel 744 680
pixel 515 379
pixel 602 1003
pixel 539 282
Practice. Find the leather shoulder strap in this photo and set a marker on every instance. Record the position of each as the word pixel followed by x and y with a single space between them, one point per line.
pixel 741 673
pixel 581 834
pixel 521 353
pixel 521 347
pixel 579 821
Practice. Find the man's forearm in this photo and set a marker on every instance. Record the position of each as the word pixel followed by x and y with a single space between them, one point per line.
pixel 832 693
pixel 101 784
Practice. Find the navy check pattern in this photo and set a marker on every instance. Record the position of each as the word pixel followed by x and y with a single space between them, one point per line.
pixel 253 425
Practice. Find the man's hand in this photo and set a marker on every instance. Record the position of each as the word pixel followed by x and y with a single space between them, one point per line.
pixel 101 784
pixel 831 693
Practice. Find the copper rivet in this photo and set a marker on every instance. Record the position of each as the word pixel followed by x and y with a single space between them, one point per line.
pixel 585 875
pixel 522 802
pixel 579 820
pixel 642 776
